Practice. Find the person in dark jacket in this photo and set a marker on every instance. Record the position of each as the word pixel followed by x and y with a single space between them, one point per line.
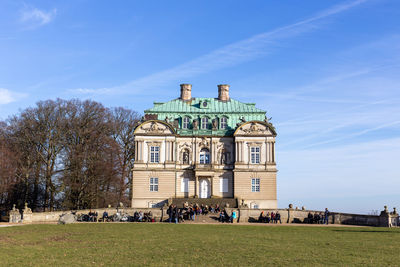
pixel 326 216
pixel 105 216
pixel 169 212
pixel 278 217
pixel 175 214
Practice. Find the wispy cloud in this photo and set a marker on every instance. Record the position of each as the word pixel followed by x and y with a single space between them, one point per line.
pixel 7 96
pixel 227 56
pixel 33 17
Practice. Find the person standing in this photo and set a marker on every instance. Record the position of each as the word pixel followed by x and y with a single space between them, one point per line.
pixel 326 216
pixel 176 214
pixel 169 212
pixel 233 217
pixel 278 217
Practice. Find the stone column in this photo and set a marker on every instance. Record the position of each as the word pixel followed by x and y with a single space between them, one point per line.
pixel 211 186
pixel 173 152
pixel 273 151
pixel 140 152
pixel 166 149
pixel 136 150
pixel 241 151
pixel 196 187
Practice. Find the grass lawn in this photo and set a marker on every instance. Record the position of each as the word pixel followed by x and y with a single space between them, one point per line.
pixel 129 244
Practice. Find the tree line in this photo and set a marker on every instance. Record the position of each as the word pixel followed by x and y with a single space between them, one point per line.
pixel 67 154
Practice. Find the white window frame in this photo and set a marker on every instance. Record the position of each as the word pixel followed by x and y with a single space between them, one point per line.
pixel 255 185
pixel 204 157
pixel 223 185
pixel 154 154
pixel 153 184
pixel 223 123
pixel 255 154
pixel 204 123
pixel 185 123
pixel 185 185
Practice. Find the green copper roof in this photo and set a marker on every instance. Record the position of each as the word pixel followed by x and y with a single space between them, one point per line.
pixel 234 111
pixel 213 106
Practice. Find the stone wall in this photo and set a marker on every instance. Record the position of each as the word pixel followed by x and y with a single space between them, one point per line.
pixel 245 215
pixel 53 216
pixel 290 215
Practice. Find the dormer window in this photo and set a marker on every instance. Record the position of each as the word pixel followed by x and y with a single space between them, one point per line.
pixel 204 123
pixel 185 123
pixel 223 123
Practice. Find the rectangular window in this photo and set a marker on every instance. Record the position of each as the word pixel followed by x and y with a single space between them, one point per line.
pixel 223 185
pixel 185 185
pixel 204 158
pixel 204 123
pixel 154 154
pixel 153 184
pixel 255 155
pixel 223 123
pixel 185 123
pixel 255 185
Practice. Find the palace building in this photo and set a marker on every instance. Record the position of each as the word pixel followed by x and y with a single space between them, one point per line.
pixel 204 148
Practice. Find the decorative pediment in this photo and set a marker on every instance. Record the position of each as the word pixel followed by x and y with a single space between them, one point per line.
pixel 185 146
pixel 255 128
pixel 154 127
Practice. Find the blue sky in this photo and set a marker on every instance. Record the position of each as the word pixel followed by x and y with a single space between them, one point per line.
pixel 327 72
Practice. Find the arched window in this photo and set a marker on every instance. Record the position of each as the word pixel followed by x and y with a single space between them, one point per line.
pixel 204 156
pixel 223 123
pixel 185 123
pixel 204 123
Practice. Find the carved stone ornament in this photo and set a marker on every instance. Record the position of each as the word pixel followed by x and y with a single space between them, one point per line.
pixel 203 142
pixel 215 124
pixel 153 129
pixel 186 146
pixel 254 129
pixel 195 124
pixel 27 209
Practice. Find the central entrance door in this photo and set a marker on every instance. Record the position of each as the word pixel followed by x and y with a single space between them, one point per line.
pixel 204 188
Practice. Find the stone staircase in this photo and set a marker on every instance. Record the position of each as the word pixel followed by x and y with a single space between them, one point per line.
pixel 207 219
pixel 222 202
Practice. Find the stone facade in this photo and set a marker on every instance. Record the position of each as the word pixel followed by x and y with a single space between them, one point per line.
pixel 204 148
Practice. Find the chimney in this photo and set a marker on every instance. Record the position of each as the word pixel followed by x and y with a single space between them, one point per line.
pixel 186 92
pixel 223 92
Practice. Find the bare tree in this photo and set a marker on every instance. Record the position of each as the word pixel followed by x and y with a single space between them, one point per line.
pixel 67 154
pixel 124 122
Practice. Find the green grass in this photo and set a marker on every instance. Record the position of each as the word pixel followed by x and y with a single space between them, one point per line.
pixel 197 245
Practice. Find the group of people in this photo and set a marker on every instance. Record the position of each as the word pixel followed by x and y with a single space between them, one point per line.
pixel 93 216
pixel 225 217
pixel 138 216
pixel 318 217
pixel 190 211
pixel 273 217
